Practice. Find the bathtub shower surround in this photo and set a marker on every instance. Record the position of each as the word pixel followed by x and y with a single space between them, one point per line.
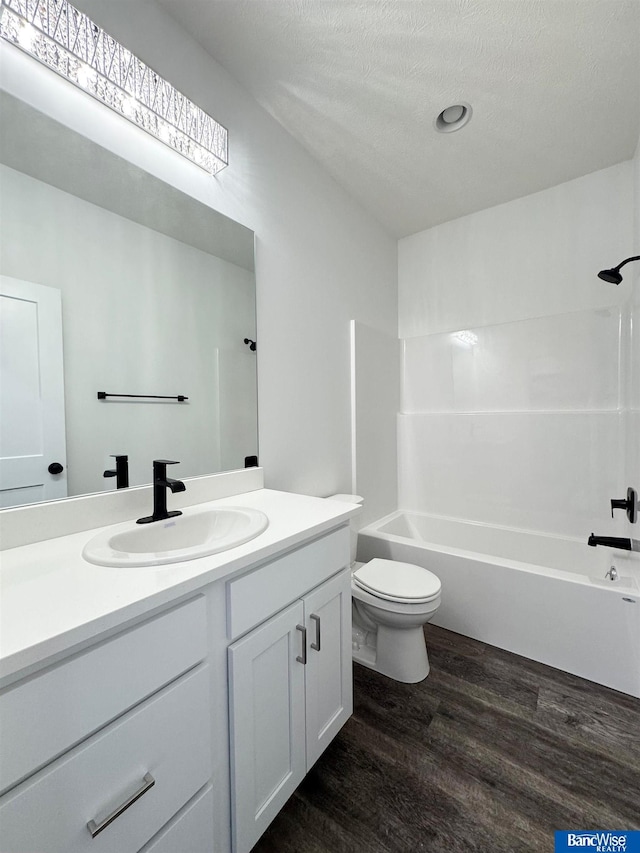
pixel 522 427
pixel 516 379
pixel 519 422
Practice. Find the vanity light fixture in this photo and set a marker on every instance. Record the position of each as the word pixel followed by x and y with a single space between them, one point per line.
pixel 67 41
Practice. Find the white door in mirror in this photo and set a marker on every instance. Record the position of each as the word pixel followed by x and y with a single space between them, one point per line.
pixel 32 426
pixel 186 537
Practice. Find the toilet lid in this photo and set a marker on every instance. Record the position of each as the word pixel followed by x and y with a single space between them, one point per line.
pixel 397 581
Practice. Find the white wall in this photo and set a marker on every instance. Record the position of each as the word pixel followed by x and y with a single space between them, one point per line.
pixel 320 260
pixel 521 420
pixel 142 314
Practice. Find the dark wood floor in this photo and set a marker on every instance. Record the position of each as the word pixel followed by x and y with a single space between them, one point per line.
pixel 491 753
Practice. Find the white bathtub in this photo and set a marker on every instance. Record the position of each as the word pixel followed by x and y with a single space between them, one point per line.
pixel 540 596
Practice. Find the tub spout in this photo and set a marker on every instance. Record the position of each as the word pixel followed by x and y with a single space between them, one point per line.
pixel 613 542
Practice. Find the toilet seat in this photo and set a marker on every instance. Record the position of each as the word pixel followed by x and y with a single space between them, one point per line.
pixel 393 581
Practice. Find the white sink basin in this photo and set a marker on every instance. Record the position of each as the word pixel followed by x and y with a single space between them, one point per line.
pixel 185 537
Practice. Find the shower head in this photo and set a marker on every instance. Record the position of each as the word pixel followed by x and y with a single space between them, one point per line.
pixel 613 276
pixel 610 276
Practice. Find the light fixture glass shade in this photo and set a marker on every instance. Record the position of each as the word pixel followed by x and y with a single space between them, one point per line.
pixel 69 42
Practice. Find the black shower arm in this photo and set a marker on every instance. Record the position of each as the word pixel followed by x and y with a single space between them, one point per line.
pixel 628 260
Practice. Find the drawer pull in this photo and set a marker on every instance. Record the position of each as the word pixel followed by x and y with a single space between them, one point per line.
pixel 303 657
pixel 96 828
pixel 316 645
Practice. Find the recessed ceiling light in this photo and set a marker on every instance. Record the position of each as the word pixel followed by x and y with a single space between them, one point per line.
pixel 453 118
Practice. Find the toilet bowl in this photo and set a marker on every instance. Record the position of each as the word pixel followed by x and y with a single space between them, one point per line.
pixel 388 624
pixel 391 603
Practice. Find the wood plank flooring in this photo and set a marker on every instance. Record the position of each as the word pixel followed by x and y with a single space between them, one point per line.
pixel 491 753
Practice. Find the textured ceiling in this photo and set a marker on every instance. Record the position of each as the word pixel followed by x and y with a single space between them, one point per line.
pixel 554 85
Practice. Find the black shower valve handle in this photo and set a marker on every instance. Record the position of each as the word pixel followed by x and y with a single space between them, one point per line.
pixel 628 504
pixel 617 503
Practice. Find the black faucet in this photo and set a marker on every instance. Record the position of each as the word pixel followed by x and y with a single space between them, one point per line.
pixel 121 471
pixel 611 542
pixel 160 485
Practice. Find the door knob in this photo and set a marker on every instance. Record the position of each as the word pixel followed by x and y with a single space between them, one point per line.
pixel 55 468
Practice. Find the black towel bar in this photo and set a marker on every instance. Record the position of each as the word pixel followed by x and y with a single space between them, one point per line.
pixel 102 395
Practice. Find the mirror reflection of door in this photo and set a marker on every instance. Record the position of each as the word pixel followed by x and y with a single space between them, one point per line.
pixel 32 425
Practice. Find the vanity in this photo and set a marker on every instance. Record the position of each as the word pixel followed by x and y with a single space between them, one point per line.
pixel 173 707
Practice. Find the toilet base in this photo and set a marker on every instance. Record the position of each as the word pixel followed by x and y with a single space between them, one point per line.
pixel 400 654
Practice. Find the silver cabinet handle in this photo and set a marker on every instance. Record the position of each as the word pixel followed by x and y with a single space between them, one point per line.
pixel 316 645
pixel 303 657
pixel 96 828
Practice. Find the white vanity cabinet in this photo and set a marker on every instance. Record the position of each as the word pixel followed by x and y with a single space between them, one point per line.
pixel 290 686
pixel 185 728
pixel 126 717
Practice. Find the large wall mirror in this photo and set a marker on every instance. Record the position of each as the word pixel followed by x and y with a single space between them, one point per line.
pixel 113 281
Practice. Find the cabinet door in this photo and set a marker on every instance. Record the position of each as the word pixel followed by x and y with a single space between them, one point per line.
pixel 329 686
pixel 267 718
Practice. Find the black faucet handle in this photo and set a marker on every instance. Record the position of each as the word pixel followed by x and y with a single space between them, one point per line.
pixel 618 503
pixel 160 467
pixel 628 504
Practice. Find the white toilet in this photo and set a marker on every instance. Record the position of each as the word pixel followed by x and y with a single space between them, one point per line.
pixel 391 602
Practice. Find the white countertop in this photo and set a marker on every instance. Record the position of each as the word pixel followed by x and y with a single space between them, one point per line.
pixel 51 599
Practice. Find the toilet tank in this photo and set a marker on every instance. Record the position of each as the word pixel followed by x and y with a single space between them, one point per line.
pixel 351 499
